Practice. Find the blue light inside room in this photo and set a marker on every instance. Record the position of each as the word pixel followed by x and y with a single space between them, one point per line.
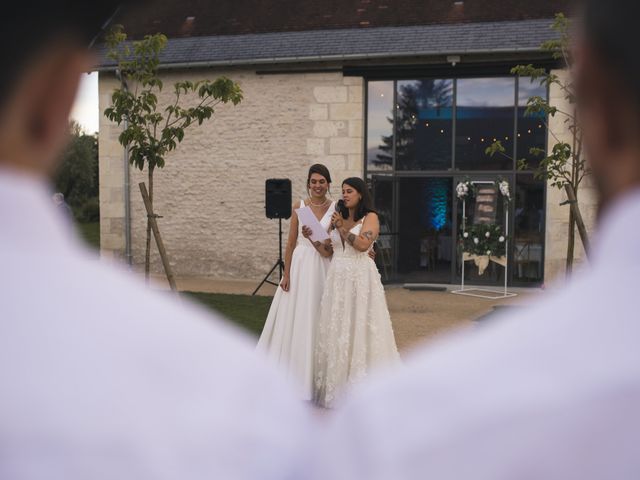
pixel 437 193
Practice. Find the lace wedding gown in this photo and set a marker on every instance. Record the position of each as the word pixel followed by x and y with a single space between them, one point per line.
pixel 354 330
pixel 288 337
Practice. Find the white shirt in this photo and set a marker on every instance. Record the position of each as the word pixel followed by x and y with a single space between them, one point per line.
pixel 103 379
pixel 552 392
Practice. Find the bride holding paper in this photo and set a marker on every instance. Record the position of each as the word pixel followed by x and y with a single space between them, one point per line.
pixel 288 334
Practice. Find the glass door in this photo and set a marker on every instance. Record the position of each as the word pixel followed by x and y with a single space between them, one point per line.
pixel 425 240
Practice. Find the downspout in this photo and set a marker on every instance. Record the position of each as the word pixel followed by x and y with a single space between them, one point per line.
pixel 127 207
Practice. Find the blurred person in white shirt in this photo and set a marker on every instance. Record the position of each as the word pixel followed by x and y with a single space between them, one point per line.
pixel 551 392
pixel 102 378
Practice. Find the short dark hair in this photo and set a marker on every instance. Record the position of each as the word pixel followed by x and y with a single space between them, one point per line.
pixel 366 204
pixel 320 170
pixel 611 29
pixel 28 27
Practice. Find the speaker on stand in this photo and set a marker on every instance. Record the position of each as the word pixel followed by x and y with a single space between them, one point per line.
pixel 277 205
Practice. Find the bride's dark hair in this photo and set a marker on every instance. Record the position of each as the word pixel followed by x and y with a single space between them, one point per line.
pixel 366 204
pixel 320 170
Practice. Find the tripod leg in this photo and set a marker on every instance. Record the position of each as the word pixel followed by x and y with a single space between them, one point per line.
pixel 266 278
pixel 279 263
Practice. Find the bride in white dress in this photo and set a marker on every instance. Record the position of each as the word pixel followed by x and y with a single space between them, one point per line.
pixel 288 335
pixel 354 330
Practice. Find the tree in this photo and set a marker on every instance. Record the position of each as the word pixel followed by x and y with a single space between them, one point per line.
pixel 564 167
pixel 412 98
pixel 77 176
pixel 151 131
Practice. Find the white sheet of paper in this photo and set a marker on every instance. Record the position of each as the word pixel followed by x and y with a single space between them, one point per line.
pixel 307 218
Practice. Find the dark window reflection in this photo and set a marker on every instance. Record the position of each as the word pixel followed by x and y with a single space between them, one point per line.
pixel 424 124
pixel 382 191
pixel 528 242
pixel 485 113
pixel 425 242
pixel 380 125
pixel 532 132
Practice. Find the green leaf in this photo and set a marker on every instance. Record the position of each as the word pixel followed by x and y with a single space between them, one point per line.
pixel 495 147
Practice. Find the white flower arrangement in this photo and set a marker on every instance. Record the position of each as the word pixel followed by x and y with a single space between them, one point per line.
pixel 462 190
pixel 504 188
pixel 483 240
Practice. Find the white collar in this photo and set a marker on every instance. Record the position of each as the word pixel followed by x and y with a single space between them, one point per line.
pixel 28 217
pixel 618 236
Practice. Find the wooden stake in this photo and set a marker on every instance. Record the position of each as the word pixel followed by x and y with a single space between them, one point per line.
pixel 577 216
pixel 156 234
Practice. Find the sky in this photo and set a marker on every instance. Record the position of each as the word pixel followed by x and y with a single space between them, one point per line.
pixel 85 110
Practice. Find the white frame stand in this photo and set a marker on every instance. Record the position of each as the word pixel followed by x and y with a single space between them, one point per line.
pixel 482 292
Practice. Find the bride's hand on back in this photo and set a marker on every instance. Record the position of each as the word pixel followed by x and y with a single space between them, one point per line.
pixel 306 231
pixel 372 254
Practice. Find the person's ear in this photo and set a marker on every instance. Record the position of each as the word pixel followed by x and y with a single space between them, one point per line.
pixel 43 101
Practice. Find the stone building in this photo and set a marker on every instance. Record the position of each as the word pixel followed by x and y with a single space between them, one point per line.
pixel 325 82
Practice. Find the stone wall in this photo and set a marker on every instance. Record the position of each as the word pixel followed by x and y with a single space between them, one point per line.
pixel 211 192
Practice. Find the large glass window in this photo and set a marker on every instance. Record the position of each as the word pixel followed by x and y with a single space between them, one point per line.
pixel 484 114
pixel 380 125
pixel 424 136
pixel 424 124
pixel 532 131
pixel 528 238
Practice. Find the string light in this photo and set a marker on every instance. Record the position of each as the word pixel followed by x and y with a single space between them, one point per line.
pixel 482 139
pixel 518 135
pixel 441 131
pixel 529 131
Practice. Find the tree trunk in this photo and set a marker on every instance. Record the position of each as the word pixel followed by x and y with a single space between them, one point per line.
pixel 147 255
pixel 570 243
pixel 156 233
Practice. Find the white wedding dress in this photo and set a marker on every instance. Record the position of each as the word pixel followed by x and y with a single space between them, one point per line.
pixel 354 330
pixel 288 337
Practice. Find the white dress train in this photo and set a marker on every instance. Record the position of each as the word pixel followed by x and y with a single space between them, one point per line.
pixel 354 330
pixel 288 337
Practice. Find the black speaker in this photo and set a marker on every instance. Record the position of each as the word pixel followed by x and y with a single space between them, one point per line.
pixel 278 197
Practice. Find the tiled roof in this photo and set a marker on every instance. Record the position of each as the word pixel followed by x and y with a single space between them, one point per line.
pixel 358 43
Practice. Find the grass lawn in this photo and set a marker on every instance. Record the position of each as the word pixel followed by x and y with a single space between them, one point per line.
pixel 244 310
pixel 91 233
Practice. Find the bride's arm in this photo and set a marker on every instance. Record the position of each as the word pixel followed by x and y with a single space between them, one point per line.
pixel 291 245
pixel 368 233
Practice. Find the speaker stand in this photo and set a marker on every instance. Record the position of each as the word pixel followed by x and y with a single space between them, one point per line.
pixel 279 262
